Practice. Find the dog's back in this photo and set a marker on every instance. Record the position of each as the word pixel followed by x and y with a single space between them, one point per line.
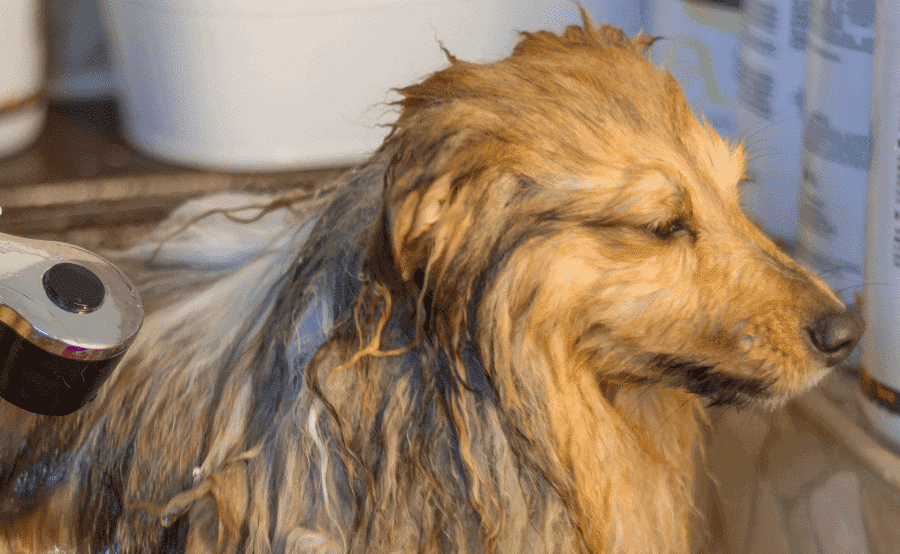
pixel 238 298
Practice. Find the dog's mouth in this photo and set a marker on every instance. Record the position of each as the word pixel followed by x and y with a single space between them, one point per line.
pixel 704 380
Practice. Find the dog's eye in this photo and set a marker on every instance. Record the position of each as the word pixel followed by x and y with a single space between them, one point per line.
pixel 670 228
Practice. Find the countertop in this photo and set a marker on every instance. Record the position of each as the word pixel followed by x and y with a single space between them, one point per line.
pixel 80 180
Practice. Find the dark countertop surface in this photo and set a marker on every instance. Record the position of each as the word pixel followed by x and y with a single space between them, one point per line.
pixel 80 181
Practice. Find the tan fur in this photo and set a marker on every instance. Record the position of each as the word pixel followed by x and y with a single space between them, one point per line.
pixel 524 300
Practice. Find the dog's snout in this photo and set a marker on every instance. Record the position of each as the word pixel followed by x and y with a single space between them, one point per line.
pixel 835 335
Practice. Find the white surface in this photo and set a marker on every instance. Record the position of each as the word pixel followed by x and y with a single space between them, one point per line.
pixel 836 515
pixel 853 506
pixel 278 84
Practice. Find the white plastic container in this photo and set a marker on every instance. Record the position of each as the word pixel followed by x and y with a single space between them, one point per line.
pixel 836 144
pixel 630 15
pixel 701 48
pixel 21 74
pixel 277 84
pixel 880 343
pixel 80 68
pixel 770 113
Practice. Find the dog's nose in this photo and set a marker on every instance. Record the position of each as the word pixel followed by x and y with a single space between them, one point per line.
pixel 835 335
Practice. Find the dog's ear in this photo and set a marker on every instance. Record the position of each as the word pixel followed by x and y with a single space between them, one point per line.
pixel 412 217
pixel 446 168
pixel 425 207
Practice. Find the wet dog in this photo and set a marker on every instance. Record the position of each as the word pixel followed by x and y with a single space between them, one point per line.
pixel 497 335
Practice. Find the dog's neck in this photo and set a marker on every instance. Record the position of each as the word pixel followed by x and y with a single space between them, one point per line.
pixel 599 473
pixel 625 463
pixel 629 466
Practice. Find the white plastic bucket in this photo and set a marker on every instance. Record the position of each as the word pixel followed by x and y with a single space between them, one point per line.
pixel 277 84
pixel 21 75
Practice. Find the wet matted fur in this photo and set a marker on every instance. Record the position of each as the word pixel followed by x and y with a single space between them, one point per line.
pixel 497 335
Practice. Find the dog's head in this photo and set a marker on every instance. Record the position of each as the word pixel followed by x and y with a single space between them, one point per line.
pixel 572 193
